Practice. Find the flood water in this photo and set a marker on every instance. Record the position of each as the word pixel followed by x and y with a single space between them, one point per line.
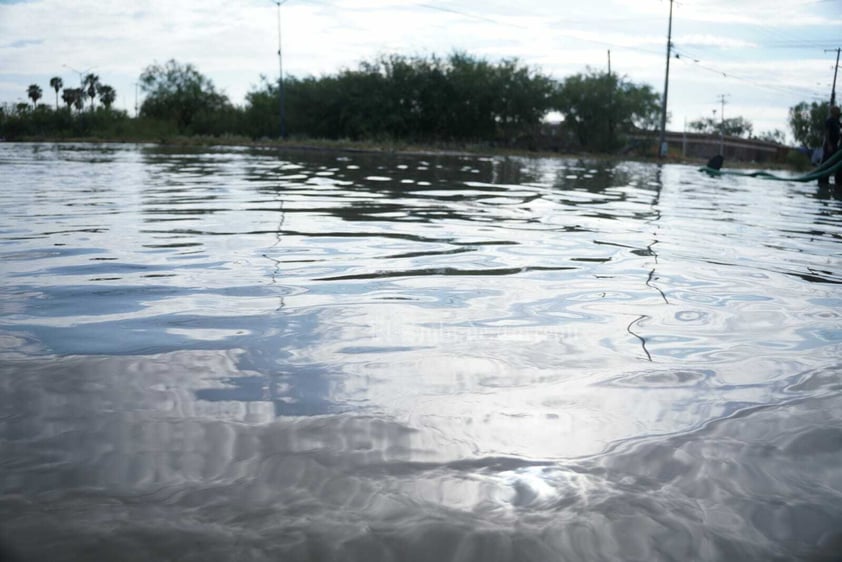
pixel 246 354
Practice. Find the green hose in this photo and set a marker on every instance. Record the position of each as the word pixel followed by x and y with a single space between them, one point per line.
pixel 833 164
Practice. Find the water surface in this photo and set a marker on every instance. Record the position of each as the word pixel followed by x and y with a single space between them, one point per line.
pixel 231 354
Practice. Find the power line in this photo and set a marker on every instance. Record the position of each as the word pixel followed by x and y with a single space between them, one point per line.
pixel 681 55
pixel 479 17
pixel 808 44
pixel 469 15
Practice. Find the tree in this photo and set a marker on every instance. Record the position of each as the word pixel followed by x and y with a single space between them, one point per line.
pixel 416 98
pixel 469 97
pixel 775 135
pixel 34 93
pixel 733 127
pixel 89 87
pixel 737 127
pixel 56 84
pixel 806 121
pixel 67 96
pixel 179 93
pixel 523 96
pixel 79 99
pixel 107 95
pixel 601 108
pixel 705 125
pixel 73 97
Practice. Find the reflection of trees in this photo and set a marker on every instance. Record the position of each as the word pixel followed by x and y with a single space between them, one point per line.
pixel 179 183
pixel 181 187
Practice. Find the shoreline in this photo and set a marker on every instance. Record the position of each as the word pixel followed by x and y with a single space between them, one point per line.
pixel 396 148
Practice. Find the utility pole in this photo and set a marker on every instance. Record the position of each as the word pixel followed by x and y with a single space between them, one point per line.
pixel 281 73
pixel 835 71
pixel 662 142
pixel 610 101
pixel 722 124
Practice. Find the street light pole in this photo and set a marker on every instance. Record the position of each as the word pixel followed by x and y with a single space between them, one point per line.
pixel 662 148
pixel 835 71
pixel 281 74
pixel 81 73
pixel 722 125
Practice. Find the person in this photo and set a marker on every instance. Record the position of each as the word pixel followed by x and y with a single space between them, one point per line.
pixel 831 144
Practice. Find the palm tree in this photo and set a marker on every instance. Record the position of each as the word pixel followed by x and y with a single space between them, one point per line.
pixel 79 98
pixel 72 97
pixel 107 95
pixel 56 83
pixel 67 96
pixel 35 93
pixel 89 85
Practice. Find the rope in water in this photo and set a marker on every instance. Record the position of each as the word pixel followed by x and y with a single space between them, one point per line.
pixel 832 165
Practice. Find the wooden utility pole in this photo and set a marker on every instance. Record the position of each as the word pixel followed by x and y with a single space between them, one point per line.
pixel 610 101
pixel 835 71
pixel 662 142
pixel 722 125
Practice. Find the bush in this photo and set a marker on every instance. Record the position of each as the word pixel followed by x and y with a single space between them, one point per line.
pixel 798 160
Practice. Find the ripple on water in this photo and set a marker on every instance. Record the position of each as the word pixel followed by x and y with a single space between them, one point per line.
pixel 240 353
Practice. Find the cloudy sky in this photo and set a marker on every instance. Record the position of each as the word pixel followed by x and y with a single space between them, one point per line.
pixel 763 56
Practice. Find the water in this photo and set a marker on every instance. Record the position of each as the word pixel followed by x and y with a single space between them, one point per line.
pixel 231 354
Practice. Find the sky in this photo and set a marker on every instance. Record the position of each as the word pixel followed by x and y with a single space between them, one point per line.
pixel 760 57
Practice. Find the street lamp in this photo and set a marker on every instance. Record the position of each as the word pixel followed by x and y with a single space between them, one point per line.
pixel 662 141
pixel 281 73
pixel 81 73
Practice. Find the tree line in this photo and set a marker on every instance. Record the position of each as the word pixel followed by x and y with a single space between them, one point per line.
pixel 458 98
pixel 91 88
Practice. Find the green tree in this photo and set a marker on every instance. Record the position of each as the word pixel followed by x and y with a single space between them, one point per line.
pixel 314 107
pixel 89 87
pixel 732 127
pixel 56 84
pixel 806 121
pixel 467 97
pixel 738 127
pixel 106 94
pixel 179 93
pixel 775 135
pixel 79 99
pixel 68 96
pixel 705 125
pixel 34 93
pixel 414 98
pixel 522 97
pixel 601 108
pixel 74 97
